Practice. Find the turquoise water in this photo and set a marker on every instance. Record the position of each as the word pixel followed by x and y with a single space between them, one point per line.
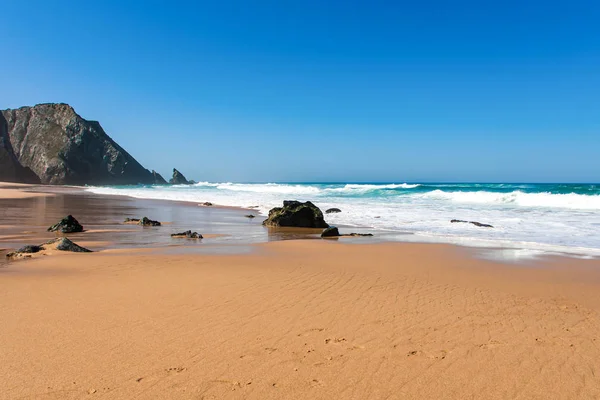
pixel 537 217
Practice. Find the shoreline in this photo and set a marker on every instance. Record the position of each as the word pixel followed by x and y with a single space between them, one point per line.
pixel 520 249
pixel 512 252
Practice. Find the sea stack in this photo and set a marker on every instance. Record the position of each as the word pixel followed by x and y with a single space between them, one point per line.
pixel 179 179
pixel 52 144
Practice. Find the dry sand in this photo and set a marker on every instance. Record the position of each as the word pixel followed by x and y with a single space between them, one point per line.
pixel 299 320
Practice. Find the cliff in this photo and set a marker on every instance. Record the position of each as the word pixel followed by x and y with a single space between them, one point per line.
pixel 60 147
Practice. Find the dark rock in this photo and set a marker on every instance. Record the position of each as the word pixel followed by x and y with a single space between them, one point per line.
pixel 11 169
pixel 333 211
pixel 178 179
pixel 187 234
pixel 148 222
pixel 67 225
pixel 332 231
pixel 59 147
pixel 64 244
pixel 207 204
pixel 359 234
pixel 479 224
pixel 250 216
pixel 30 248
pixel 296 214
pixel 132 220
pixel 158 179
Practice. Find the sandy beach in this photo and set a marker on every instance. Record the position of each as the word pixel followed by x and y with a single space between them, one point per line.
pixel 285 319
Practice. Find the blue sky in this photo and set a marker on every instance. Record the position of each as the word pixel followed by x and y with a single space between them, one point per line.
pixel 322 91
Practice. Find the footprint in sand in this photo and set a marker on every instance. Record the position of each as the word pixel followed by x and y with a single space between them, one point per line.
pixel 308 332
pixel 175 369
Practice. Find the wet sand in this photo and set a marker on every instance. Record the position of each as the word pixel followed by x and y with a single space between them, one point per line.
pixel 292 319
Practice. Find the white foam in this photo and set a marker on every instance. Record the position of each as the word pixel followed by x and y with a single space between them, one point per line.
pixel 519 198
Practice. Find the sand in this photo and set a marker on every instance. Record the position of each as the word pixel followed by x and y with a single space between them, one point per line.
pixel 290 319
pixel 299 320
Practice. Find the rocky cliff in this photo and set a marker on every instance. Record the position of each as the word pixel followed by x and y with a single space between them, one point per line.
pixel 59 147
pixel 10 168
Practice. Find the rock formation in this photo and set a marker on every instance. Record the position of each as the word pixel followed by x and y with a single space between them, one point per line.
pixel 60 147
pixel 67 225
pixel 62 244
pixel 179 179
pixel 333 211
pixel 296 214
pixel 158 179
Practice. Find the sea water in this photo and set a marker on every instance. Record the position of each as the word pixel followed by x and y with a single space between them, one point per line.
pixel 562 218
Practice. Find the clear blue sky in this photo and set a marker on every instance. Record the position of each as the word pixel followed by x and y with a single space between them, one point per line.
pixel 322 91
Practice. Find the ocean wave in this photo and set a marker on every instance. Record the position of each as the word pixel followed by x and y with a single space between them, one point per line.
pixel 353 188
pixel 519 198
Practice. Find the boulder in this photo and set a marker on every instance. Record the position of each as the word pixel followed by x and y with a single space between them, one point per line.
pixel 187 234
pixel 332 231
pixel 333 211
pixel 66 225
pixel 148 222
pixel 178 179
pixel 296 214
pixel 52 144
pixel 479 224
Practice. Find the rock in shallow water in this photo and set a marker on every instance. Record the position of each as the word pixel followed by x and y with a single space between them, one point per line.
pixel 332 231
pixel 296 214
pixel 479 224
pixel 67 225
pixel 148 222
pixel 333 211
pixel 188 235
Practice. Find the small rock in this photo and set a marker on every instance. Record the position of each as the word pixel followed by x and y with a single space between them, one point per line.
pixel 207 204
pixel 250 216
pixel 333 211
pixel 30 248
pixel 332 231
pixel 188 235
pixel 479 224
pixel 360 234
pixel 66 225
pixel 132 220
pixel 148 222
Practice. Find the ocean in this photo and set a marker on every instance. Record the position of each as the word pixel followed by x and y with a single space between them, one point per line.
pixel 534 218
